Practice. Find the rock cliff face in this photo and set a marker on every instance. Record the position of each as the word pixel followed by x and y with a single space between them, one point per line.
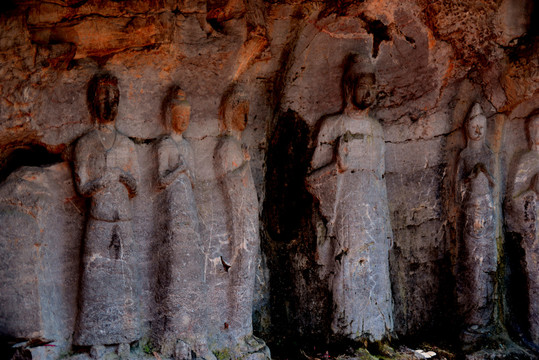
pixel 238 196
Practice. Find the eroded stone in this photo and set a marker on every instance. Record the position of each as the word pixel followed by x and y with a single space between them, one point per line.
pixel 352 195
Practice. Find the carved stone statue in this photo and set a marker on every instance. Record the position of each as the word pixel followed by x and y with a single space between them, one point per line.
pixel 106 172
pixel 478 255
pixel 233 171
pixel 521 212
pixel 182 276
pixel 348 182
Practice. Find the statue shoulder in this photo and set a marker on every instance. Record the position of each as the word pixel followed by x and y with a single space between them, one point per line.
pixel 229 145
pixel 86 142
pixel 464 154
pixel 124 142
pixel 376 126
pixel 527 166
pixel 90 136
pixel 364 125
pixel 165 141
pixel 230 154
pixel 185 149
pixel 331 128
pixel 186 145
pixel 123 138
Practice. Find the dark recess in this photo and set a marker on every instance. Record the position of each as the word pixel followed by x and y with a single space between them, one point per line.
pixel 7 6
pixel 213 9
pixel 6 346
pixel 516 286
pixel 379 32
pixel 527 45
pixel 338 7
pixel 27 155
pixel 298 315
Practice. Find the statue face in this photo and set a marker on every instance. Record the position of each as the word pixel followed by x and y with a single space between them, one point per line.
pixel 180 115
pixel 106 103
pixel 364 93
pixel 475 127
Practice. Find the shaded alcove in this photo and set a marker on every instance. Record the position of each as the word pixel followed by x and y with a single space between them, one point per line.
pixel 300 301
pixel 27 155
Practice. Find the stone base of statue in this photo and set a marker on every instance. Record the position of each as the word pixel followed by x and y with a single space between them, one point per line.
pixel 108 303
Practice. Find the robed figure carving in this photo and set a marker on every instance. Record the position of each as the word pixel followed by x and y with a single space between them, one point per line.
pixel 348 182
pixel 233 171
pixel 521 215
pixel 106 172
pixel 182 285
pixel 477 255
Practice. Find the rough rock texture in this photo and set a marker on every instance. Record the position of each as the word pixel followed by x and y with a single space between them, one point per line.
pixel 432 60
pixel 40 216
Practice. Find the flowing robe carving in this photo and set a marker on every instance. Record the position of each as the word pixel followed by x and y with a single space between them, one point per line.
pixel 182 280
pixel 234 174
pixel 348 182
pixel 108 176
pixel 521 211
pixel 478 255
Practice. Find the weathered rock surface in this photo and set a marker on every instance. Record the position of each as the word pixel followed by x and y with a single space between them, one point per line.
pixel 432 61
pixel 42 219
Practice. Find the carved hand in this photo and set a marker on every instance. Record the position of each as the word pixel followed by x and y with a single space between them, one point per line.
pixel 168 176
pixel 342 154
pixel 129 182
pixel 110 176
pixel 91 187
pixel 181 166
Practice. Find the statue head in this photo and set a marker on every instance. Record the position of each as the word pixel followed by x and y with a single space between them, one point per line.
pixel 533 131
pixel 476 124
pixel 359 83
pixel 179 112
pixel 234 110
pixel 103 98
